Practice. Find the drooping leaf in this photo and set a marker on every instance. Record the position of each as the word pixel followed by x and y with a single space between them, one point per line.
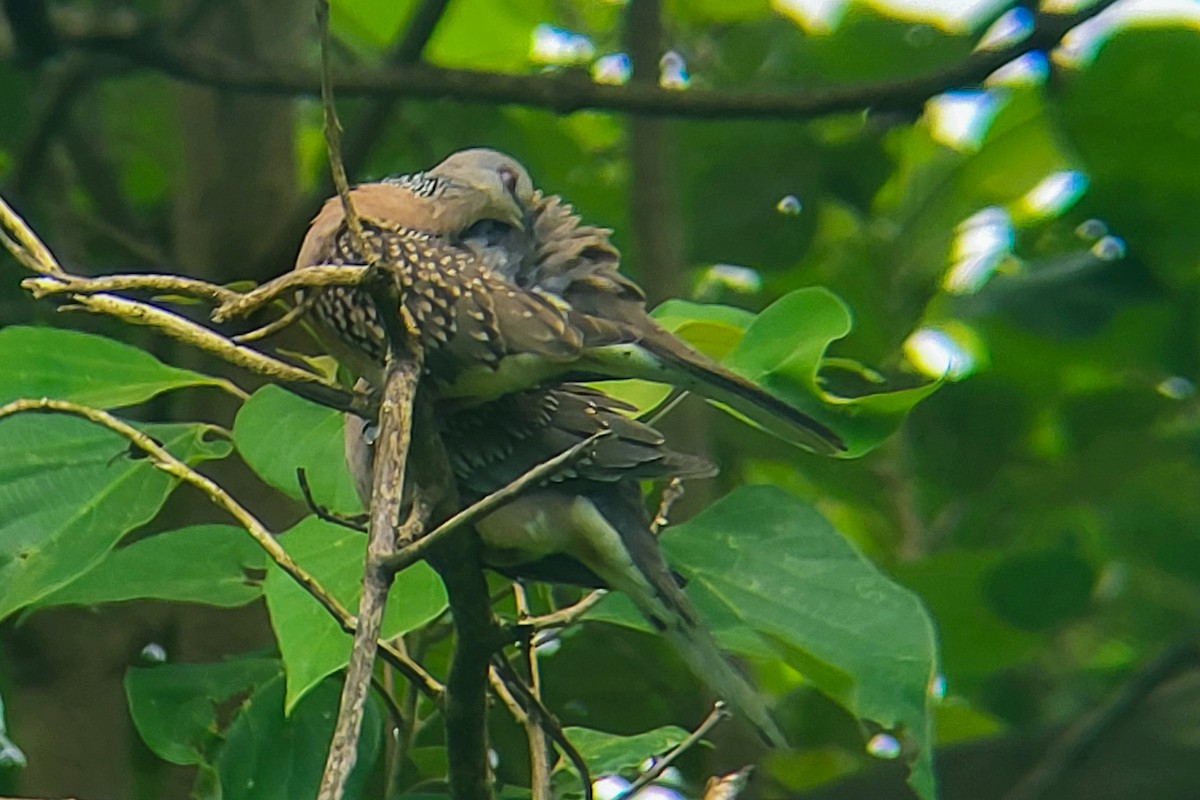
pixel 783 350
pixel 313 645
pixel 786 573
pixel 277 432
pixel 84 368
pixel 210 564
pixel 69 490
pixel 174 706
pixel 270 755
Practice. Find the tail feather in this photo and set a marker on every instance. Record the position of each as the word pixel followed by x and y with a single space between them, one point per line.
pixel 661 356
pixel 699 651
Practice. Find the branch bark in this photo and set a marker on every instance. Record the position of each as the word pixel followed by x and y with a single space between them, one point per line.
pixel 567 91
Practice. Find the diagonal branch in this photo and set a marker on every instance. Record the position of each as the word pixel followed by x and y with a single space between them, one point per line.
pixel 569 91
pixel 163 460
pixel 422 547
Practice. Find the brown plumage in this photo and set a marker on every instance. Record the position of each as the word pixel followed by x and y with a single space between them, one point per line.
pixel 587 525
pixel 509 290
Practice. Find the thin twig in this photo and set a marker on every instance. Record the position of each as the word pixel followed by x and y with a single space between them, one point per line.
pixel 718 714
pixel 333 131
pixel 565 617
pixel 24 244
pixel 534 708
pixel 275 326
pixel 313 277
pixel 72 284
pixel 320 511
pixel 569 91
pixel 420 548
pixel 670 494
pixel 163 460
pixel 1081 737
pixel 391 457
pixel 539 762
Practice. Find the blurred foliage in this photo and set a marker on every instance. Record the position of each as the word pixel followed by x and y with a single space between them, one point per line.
pixel 995 297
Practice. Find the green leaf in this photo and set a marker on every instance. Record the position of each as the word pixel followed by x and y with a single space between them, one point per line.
pixel 861 639
pixel 83 368
pixel 783 349
pixel 69 490
pixel 1038 591
pixel 612 754
pixel 312 643
pixel 269 755
pixel 206 564
pixel 174 706
pixel 277 432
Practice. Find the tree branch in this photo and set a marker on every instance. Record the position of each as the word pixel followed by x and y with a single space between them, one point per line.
pixel 718 714
pixel 419 549
pixel 163 460
pixel 568 91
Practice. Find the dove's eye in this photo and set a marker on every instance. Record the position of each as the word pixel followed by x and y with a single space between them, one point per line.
pixel 509 178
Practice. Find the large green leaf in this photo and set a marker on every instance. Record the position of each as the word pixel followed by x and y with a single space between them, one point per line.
pixel 859 637
pixel 277 432
pixel 613 754
pixel 84 368
pixel 783 350
pixel 270 755
pixel 313 645
pixel 209 564
pixel 174 706
pixel 69 490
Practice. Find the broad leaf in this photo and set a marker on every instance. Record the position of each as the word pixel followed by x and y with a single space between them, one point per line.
pixel 69 490
pixel 613 754
pixel 783 350
pixel 277 432
pixel 312 643
pixel 787 574
pixel 174 706
pixel 84 368
pixel 210 564
pixel 268 755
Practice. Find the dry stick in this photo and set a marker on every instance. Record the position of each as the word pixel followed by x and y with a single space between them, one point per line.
pixel 163 460
pixel 1081 737
pixel 417 550
pixel 539 762
pixel 24 244
pixel 293 314
pixel 402 372
pixel 304 278
pixel 391 456
pixel 718 714
pixel 136 282
pixel 568 92
pixel 535 708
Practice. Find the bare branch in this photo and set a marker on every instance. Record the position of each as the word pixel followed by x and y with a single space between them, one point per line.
pixel 303 278
pixel 73 284
pixel 539 763
pixel 1081 737
pixel 391 458
pixel 718 714
pixel 570 91
pixel 293 314
pixel 535 709
pixel 163 460
pixel 25 246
